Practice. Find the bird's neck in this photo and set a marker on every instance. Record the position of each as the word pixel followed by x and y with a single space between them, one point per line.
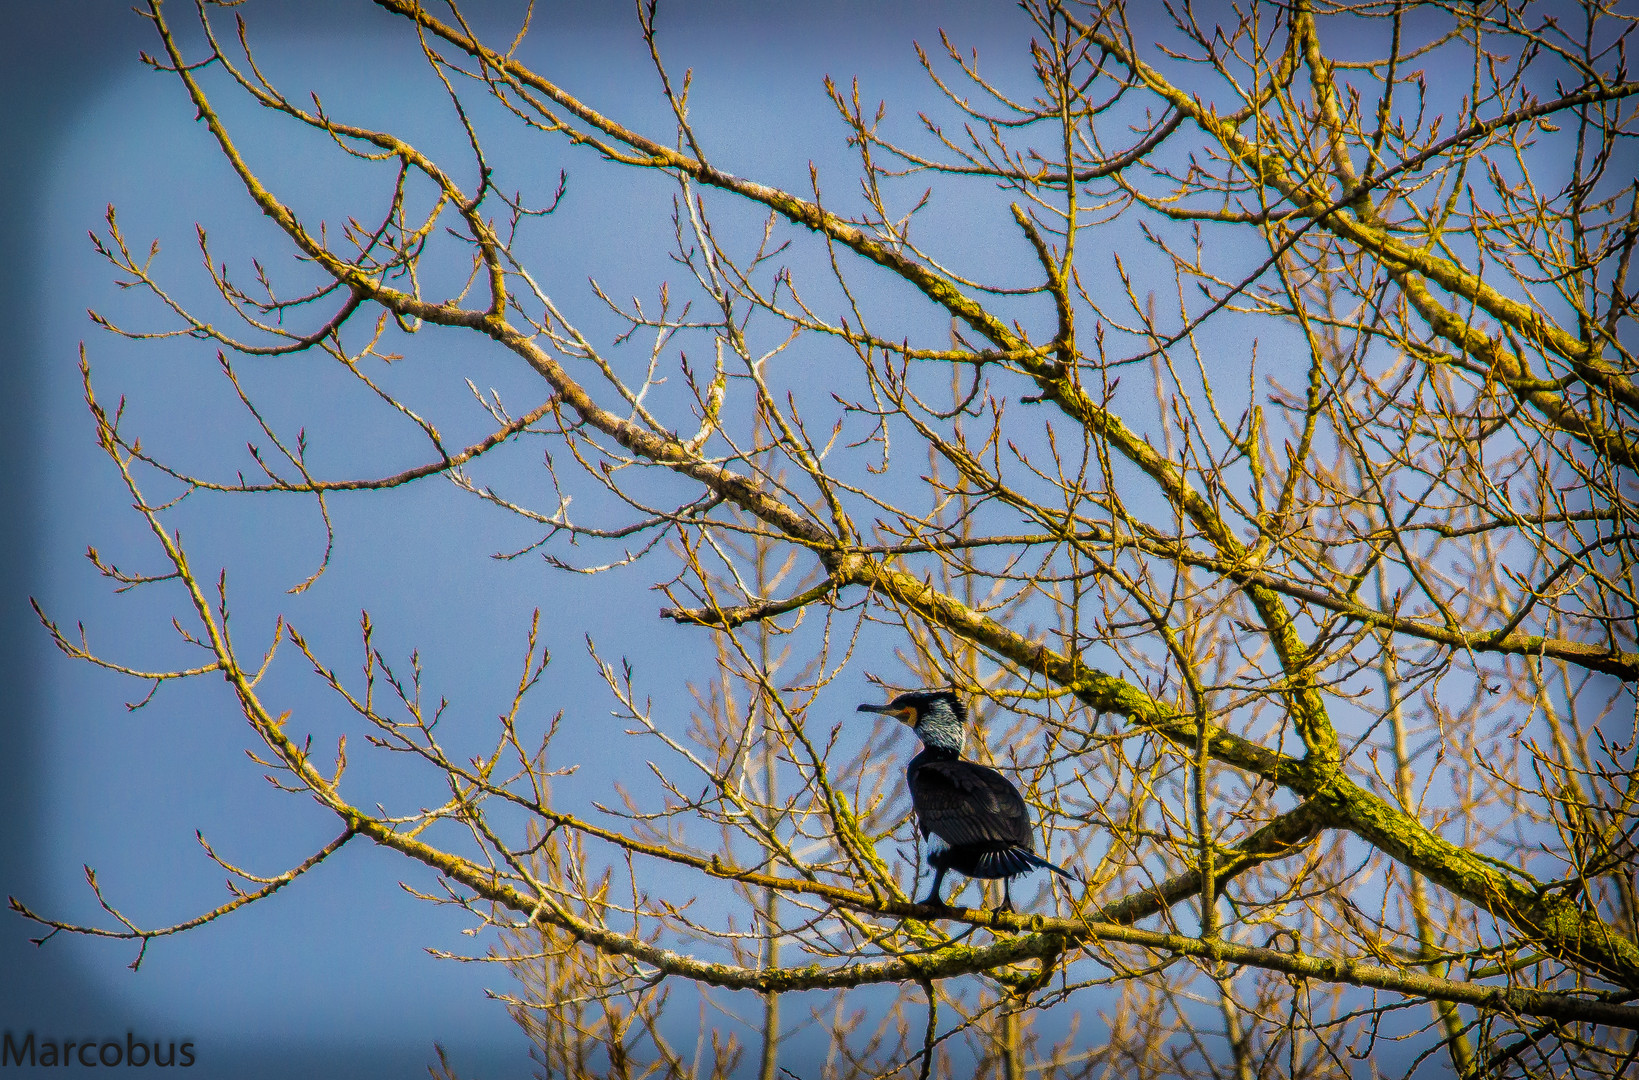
pixel 934 753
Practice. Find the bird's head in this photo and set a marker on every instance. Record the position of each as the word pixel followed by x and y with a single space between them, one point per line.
pixel 939 717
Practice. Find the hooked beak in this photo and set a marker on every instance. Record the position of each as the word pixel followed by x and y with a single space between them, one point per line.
pixel 902 715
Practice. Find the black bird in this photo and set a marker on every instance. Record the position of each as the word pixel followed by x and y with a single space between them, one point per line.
pixel 975 817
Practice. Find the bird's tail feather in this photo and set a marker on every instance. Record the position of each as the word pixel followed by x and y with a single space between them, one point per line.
pixel 1012 862
pixel 1037 860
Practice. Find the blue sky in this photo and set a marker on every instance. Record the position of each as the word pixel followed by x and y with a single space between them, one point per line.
pixel 332 976
pixel 335 967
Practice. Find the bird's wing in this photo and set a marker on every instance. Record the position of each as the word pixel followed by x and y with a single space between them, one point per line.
pixel 964 804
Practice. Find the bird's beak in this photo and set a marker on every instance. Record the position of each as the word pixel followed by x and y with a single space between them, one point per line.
pixel 902 715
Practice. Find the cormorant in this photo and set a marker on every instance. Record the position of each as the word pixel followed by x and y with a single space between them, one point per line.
pixel 975 817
